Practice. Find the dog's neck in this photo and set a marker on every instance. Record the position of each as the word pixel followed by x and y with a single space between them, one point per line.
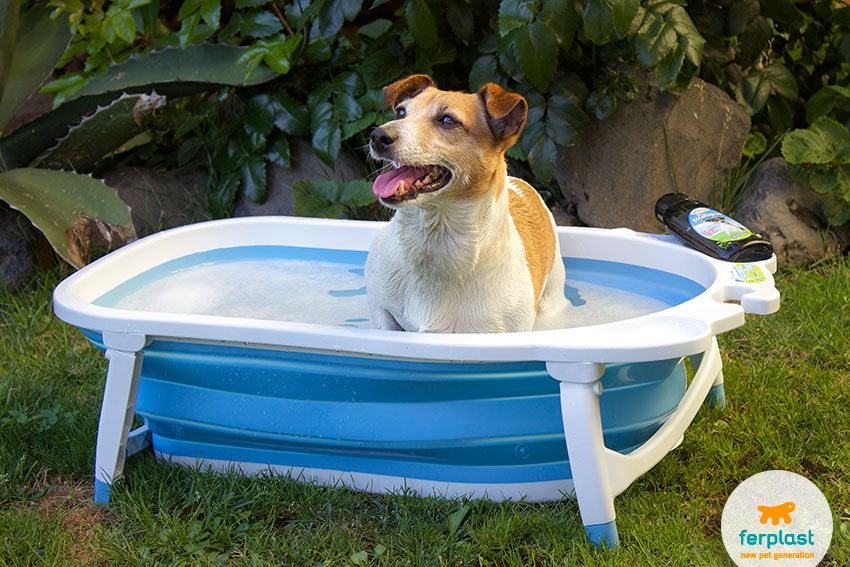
pixel 448 237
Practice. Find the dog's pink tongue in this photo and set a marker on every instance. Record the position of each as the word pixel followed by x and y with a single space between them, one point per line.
pixel 388 183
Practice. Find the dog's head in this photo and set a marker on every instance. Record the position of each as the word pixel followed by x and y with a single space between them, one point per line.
pixel 442 143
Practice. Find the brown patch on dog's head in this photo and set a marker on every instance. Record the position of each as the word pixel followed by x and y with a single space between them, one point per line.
pixel 506 112
pixel 445 142
pixel 406 88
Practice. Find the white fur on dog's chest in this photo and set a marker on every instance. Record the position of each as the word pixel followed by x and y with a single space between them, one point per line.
pixel 433 273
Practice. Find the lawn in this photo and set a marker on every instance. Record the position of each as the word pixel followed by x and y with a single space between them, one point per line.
pixel 787 384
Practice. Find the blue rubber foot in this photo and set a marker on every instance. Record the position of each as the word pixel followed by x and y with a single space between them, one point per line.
pixel 716 397
pixel 101 492
pixel 603 535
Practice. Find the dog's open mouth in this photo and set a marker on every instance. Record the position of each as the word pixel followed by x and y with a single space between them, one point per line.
pixel 408 181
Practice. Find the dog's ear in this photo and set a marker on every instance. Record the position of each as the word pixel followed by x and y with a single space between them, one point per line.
pixel 506 112
pixel 406 88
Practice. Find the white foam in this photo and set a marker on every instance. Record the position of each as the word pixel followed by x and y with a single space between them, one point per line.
pixel 327 293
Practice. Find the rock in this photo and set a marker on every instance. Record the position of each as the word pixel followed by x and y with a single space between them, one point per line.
pixel 158 200
pixel 22 247
pixel 657 144
pixel 306 165
pixel 789 214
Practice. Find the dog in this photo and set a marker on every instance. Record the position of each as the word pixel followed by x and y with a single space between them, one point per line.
pixel 469 249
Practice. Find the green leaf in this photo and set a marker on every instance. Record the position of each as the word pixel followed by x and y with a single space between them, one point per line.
pixel 514 14
pixel 124 26
pixel 461 20
pixel 782 81
pixel 820 104
pixel 482 72
pixel 837 212
pixel 327 136
pixel 188 150
pixel 260 24
pixel 317 199
pixel 825 141
pixel 375 28
pixel 259 114
pixel 253 171
pixel 759 84
pixel 602 103
pixel 346 108
pixel 352 128
pixel 542 157
pixel 666 25
pixel 568 109
pixel 279 153
pixel 754 40
pixel 537 53
pixel 779 113
pixel 740 15
pixel 359 558
pixel 420 22
pixel 379 69
pixel 456 519
pixel 39 45
pixel 330 19
pixel 624 13
pixel 291 116
pixel 67 207
pixel 186 35
pixel 223 194
pixel 351 8
pixel 755 144
pixel 209 64
pixel 598 21
pixel 356 193
pixel 668 68
pixel 563 25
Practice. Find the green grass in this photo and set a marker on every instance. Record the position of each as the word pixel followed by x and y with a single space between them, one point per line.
pixel 787 382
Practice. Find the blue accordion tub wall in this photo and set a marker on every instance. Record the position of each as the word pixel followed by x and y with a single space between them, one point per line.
pixel 299 385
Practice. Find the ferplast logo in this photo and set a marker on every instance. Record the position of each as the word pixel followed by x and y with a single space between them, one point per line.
pixel 778 517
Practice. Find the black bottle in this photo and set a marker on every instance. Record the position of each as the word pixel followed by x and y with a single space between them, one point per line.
pixel 710 231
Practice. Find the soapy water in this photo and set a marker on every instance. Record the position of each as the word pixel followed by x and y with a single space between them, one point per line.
pixel 326 293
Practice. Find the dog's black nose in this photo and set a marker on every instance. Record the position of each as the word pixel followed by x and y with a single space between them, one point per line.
pixel 380 139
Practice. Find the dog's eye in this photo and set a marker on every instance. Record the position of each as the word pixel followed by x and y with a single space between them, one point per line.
pixel 400 112
pixel 447 121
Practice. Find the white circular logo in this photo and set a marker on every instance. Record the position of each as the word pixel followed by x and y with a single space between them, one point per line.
pixel 776 518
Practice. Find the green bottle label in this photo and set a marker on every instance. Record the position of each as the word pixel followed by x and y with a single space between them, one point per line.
pixel 716 226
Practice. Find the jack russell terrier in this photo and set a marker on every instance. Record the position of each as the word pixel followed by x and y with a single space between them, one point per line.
pixel 469 249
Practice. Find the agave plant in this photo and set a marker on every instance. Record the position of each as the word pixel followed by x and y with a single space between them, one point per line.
pixel 43 162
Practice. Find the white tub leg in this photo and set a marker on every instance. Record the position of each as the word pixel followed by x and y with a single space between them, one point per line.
pixel 124 353
pixel 580 390
pixel 716 397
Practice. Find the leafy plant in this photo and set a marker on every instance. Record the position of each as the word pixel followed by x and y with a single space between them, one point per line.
pixel 69 208
pixel 820 156
pixel 338 54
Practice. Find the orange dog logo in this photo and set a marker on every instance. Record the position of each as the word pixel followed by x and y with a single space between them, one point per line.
pixel 776 513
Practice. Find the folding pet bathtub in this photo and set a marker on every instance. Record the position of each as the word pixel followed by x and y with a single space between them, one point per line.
pixel 246 343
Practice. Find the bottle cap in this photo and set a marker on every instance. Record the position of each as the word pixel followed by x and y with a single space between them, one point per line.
pixel 665 202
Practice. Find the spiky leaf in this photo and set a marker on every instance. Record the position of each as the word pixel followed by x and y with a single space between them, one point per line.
pixel 101 133
pixel 39 46
pixel 9 14
pixel 70 209
pixel 209 64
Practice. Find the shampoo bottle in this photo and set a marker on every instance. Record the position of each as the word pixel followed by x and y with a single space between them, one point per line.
pixel 710 231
